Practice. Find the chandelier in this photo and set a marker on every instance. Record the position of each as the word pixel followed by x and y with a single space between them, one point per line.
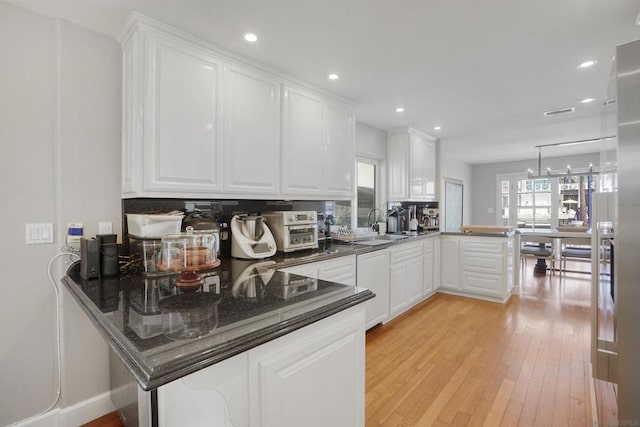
pixel 590 170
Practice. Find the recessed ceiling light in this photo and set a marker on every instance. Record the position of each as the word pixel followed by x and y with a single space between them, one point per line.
pixel 333 77
pixel 437 127
pixel 587 100
pixel 250 37
pixel 399 109
pixel 587 64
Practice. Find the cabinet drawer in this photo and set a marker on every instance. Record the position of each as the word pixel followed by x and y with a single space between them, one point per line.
pixel 488 263
pixel 482 283
pixel 404 251
pixel 490 245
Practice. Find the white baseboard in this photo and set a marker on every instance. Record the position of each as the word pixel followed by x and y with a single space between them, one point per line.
pixel 72 416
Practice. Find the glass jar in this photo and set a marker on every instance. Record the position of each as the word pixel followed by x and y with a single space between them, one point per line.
pixel 189 251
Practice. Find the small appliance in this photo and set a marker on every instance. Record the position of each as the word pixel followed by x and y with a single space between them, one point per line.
pixel 294 230
pixel 251 238
pixel 89 258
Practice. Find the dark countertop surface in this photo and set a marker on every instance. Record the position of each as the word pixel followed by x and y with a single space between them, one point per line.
pixel 162 333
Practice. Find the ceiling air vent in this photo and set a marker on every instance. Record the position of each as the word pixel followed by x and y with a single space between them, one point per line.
pixel 559 112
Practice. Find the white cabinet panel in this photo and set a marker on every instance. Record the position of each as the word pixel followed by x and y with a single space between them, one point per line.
pixel 450 263
pixel 405 276
pixel 398 167
pixel 339 165
pixel 397 288
pixel 340 270
pixel 482 283
pixel 302 142
pixel 415 278
pixel 483 262
pixel 373 273
pixel 306 379
pixel 428 279
pixel 182 124
pixel 251 132
pixel 411 157
pixel 436 263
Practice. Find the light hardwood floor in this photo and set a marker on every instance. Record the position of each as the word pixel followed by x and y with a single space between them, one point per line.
pixel 455 361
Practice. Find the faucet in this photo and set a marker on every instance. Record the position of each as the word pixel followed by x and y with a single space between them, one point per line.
pixel 372 211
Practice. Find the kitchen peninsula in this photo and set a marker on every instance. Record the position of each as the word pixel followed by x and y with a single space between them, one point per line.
pixel 251 340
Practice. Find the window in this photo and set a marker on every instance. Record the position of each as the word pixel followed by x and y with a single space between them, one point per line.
pixel 366 173
pixel 546 202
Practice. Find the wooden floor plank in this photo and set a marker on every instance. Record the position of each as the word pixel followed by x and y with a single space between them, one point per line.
pixel 523 363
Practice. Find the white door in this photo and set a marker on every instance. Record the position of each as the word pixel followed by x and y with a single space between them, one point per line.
pixel 302 142
pixel 339 154
pixel 182 126
pixel 251 132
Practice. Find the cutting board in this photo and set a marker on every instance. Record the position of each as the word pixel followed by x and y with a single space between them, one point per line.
pixel 485 229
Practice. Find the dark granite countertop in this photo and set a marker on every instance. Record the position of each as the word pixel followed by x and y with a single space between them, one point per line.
pixel 162 333
pixel 243 304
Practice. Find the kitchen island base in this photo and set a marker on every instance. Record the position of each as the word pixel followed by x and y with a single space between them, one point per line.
pixel 313 376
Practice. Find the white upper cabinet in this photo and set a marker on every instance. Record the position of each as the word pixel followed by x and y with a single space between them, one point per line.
pixel 318 145
pixel 251 131
pixel 172 111
pixel 339 154
pixel 197 123
pixel 412 165
pixel 302 142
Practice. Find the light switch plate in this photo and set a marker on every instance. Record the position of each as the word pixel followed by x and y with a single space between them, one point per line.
pixel 39 233
pixel 105 227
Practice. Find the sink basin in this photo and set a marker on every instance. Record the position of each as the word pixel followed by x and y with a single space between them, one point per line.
pixel 374 242
pixel 392 237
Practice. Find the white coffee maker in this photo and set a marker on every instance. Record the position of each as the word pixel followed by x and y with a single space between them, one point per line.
pixel 251 238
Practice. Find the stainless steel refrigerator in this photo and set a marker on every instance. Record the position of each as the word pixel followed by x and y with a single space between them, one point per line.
pixel 616 327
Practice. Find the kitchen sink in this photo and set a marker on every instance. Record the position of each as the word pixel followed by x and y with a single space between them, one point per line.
pixel 392 237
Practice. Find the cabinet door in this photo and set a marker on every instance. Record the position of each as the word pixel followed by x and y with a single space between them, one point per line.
pixel 251 132
pixel 427 283
pixel 302 143
pixel 397 146
pixel 339 154
pixel 482 283
pixel 373 273
pixel 415 277
pixel 429 170
pixel 397 288
pixel 417 159
pixel 436 264
pixel 449 266
pixel 311 377
pixel 340 270
pixel 182 125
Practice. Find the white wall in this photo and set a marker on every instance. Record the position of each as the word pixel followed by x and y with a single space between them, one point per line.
pixel 485 184
pixel 59 162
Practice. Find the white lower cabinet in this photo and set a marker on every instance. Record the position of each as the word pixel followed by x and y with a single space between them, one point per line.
pixel 373 273
pixel 449 262
pixel 313 379
pixel 310 377
pixel 405 276
pixel 339 270
pixel 478 266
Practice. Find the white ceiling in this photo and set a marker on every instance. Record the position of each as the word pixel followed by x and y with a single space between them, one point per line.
pixel 485 70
